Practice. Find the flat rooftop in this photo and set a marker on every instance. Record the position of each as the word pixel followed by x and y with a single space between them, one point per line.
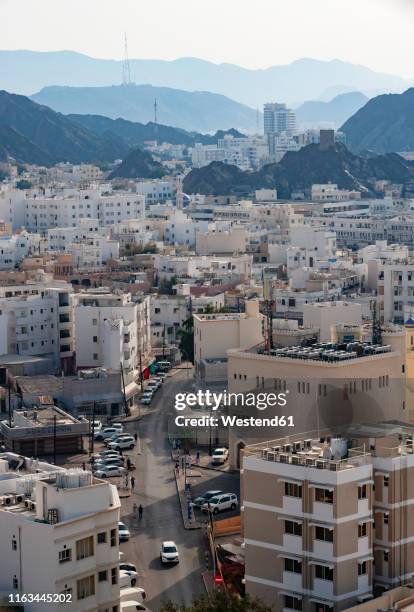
pixel 327 351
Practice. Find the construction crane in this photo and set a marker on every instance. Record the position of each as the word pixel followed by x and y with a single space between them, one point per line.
pixel 126 68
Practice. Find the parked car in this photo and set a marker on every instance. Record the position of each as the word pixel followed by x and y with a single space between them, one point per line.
pixel 124 443
pixel 128 567
pixel 219 456
pixel 151 388
pixel 163 366
pixel 169 552
pixel 96 425
pixel 118 426
pixel 117 436
pixel 201 499
pixel 106 471
pixel 127 579
pixel 123 532
pixel 106 461
pixel 108 453
pixel 105 433
pixel 133 594
pixel 219 503
pixel 146 398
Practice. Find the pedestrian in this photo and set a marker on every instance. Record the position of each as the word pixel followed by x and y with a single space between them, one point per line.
pixel 126 481
pixel 83 466
pixel 198 458
pixel 120 452
pixel 128 463
pixel 132 482
pixel 134 508
pixel 136 436
pixel 140 511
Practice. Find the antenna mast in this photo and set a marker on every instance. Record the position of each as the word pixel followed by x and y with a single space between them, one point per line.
pixel 126 68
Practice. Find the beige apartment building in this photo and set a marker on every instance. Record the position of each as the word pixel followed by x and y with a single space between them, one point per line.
pixel 327 518
pixel 325 387
pixel 215 333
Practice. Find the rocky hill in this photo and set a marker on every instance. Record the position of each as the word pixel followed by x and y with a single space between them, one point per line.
pixel 33 133
pixel 299 170
pixel 384 124
pixel 139 164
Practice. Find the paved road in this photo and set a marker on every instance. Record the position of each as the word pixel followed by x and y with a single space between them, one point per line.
pixel 155 489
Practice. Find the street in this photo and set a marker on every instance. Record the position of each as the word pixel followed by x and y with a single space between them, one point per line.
pixel 155 489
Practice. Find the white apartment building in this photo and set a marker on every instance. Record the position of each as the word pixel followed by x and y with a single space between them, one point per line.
pixel 58 534
pixel 43 213
pixel 247 153
pixel 322 315
pixel 195 267
pixel 278 118
pixel 181 229
pixel 111 330
pixel 136 231
pixel 36 319
pixel 168 313
pixel 396 289
pixel 12 206
pixel 318 239
pixel 156 191
pixel 217 240
pixel 14 248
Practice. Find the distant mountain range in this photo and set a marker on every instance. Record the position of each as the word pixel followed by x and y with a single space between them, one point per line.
pixel 299 170
pixel 385 123
pixel 195 111
pixel 305 79
pixel 336 111
pixel 35 134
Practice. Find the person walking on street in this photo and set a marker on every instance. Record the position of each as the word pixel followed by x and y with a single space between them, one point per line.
pixel 132 482
pixel 136 436
pixel 140 511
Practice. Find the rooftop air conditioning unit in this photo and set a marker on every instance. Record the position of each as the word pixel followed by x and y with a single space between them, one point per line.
pixel 18 499
pixel 283 458
pixel 287 448
pixel 27 503
pixel 310 462
pixel 320 464
pixel 32 505
pixel 297 446
pixel 295 460
pixel 307 443
pixel 7 500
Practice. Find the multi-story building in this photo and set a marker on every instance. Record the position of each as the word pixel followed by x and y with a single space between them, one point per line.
pixel 395 289
pixel 326 516
pixel 36 318
pixel 111 330
pixel 58 534
pixel 156 191
pixel 278 118
pixel 214 334
pixel 331 193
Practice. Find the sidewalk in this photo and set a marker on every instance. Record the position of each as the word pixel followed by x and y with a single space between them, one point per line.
pixel 184 497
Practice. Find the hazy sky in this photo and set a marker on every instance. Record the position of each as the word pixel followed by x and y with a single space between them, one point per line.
pixel 252 33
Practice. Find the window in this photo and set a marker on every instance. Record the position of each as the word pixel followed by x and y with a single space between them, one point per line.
pixel 94 321
pixel 95 339
pixel 386 481
pixel 319 607
pixel 84 548
pixel 324 534
pixel 15 582
pixel 85 587
pixel 293 528
pixel 293 565
pixel 293 490
pixel 362 530
pixel 14 543
pixel 324 496
pixel 386 516
pixel 292 603
pixel 101 537
pixel 114 537
pixel 114 575
pixel 95 356
pixel 323 572
pixel 385 556
pixel 362 491
pixel 362 568
pixel 65 555
pixel 103 576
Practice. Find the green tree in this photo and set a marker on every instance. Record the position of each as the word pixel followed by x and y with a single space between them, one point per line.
pixel 186 335
pixel 219 602
pixel 23 184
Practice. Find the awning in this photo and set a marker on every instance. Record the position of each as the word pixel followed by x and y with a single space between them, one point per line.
pixel 291 557
pixel 319 485
pixel 131 390
pixel 322 564
pixel 290 481
pixel 287 594
pixel 290 519
pixel 330 527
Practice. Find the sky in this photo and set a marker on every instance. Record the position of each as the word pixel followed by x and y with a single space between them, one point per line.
pixel 251 33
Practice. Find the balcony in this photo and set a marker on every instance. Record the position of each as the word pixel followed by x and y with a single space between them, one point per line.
pixel 323 588
pixel 322 511
pixel 292 505
pixel 292 543
pixel 293 581
pixel 322 549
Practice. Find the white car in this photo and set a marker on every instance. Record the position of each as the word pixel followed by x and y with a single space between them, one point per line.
pixel 128 567
pixel 107 461
pixel 225 501
pixel 117 436
pixel 219 456
pixel 123 532
pixel 127 579
pixel 117 426
pixel 169 552
pixel 133 594
pixel 124 443
pixel 146 398
pixel 106 471
pixel 105 433
pixel 96 425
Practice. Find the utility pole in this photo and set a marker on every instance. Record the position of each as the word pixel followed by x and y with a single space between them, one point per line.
pixel 9 398
pixel 126 68
pixel 123 390
pixel 163 342
pixel 54 440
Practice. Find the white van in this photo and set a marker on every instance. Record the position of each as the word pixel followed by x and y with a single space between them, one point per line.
pixel 132 606
pixel 133 594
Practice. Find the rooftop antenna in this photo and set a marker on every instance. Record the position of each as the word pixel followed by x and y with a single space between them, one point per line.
pixel 156 119
pixel 126 68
